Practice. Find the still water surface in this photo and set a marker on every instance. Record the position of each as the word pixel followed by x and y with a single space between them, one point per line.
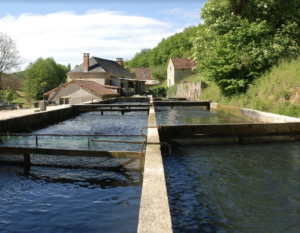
pixel 48 199
pixel 231 188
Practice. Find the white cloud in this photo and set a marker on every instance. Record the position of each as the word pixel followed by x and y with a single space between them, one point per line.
pixel 66 35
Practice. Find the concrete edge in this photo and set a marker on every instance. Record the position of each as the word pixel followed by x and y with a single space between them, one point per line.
pixel 154 213
pixel 254 115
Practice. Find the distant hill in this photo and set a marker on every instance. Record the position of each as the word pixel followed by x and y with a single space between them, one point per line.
pixel 178 45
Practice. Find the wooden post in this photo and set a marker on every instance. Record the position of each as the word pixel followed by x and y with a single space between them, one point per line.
pixel 36 140
pixel 27 159
pixel 122 113
pixel 101 113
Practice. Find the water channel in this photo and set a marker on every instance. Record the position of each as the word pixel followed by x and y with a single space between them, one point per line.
pixel 231 188
pixel 51 199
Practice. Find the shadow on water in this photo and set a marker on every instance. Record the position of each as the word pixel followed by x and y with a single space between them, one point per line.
pixel 235 188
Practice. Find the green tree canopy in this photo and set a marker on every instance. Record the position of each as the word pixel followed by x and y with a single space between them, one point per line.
pixel 240 39
pixel 178 45
pixel 43 70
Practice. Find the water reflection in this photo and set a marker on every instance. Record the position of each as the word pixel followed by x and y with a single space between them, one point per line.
pixel 194 115
pixel 68 200
pixel 235 188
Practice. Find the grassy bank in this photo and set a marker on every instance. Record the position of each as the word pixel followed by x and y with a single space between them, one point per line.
pixel 277 91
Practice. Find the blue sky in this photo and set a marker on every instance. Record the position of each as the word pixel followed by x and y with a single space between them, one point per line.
pixel 65 30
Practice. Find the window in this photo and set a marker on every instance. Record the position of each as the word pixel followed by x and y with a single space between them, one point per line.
pixel 64 100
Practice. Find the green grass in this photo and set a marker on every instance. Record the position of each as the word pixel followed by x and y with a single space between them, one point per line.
pixel 277 91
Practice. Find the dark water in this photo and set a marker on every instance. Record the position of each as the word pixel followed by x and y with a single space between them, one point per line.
pixel 231 188
pixel 68 200
pixel 194 115
pixel 49 199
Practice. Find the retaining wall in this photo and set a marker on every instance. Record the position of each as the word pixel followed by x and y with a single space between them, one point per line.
pixel 189 90
pixel 254 115
pixel 17 124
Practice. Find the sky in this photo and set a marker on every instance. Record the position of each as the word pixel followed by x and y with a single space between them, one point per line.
pixel 111 29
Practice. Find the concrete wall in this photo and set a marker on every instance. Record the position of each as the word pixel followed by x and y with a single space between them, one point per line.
pixel 17 124
pixel 189 90
pixel 255 116
pixel 154 209
pixel 97 77
pixel 77 94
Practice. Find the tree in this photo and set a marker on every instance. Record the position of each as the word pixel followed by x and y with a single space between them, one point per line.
pixel 8 95
pixel 240 39
pixel 9 55
pixel 43 70
pixel 159 73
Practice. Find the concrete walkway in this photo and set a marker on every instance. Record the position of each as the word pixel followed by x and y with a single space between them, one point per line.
pixel 6 114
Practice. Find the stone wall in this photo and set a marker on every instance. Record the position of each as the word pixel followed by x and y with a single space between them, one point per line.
pixel 189 90
pixel 97 77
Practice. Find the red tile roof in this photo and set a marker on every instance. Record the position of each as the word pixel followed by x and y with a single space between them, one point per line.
pixel 96 87
pixel 183 63
pixel 143 73
pixel 91 85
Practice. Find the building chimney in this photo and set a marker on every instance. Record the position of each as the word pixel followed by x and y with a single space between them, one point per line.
pixel 86 64
pixel 120 61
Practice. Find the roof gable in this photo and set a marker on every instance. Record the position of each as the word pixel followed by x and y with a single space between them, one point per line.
pixel 143 73
pixel 97 65
pixel 183 63
pixel 91 85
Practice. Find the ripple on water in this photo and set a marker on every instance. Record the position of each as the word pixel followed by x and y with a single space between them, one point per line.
pixel 47 200
pixel 235 188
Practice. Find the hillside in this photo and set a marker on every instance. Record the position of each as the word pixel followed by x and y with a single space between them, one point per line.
pixel 178 45
pixel 276 91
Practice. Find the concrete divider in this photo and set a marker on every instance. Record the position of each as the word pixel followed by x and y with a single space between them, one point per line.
pixel 17 124
pixel 254 115
pixel 154 209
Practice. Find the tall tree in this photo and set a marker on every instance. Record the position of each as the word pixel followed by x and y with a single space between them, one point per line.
pixel 240 39
pixel 43 70
pixel 9 55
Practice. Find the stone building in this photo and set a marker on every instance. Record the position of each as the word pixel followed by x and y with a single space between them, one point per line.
pixel 145 74
pixel 178 69
pixel 96 78
pixel 80 91
pixel 107 72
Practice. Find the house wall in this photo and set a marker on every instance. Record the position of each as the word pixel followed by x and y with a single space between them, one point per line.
pixel 170 74
pixel 181 74
pixel 97 77
pixel 77 94
pixel 142 87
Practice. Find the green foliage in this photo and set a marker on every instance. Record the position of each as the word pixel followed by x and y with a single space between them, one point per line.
pixel 277 91
pixel 172 90
pixel 159 91
pixel 43 70
pixel 8 95
pixel 241 39
pixel 178 45
pixel 159 73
